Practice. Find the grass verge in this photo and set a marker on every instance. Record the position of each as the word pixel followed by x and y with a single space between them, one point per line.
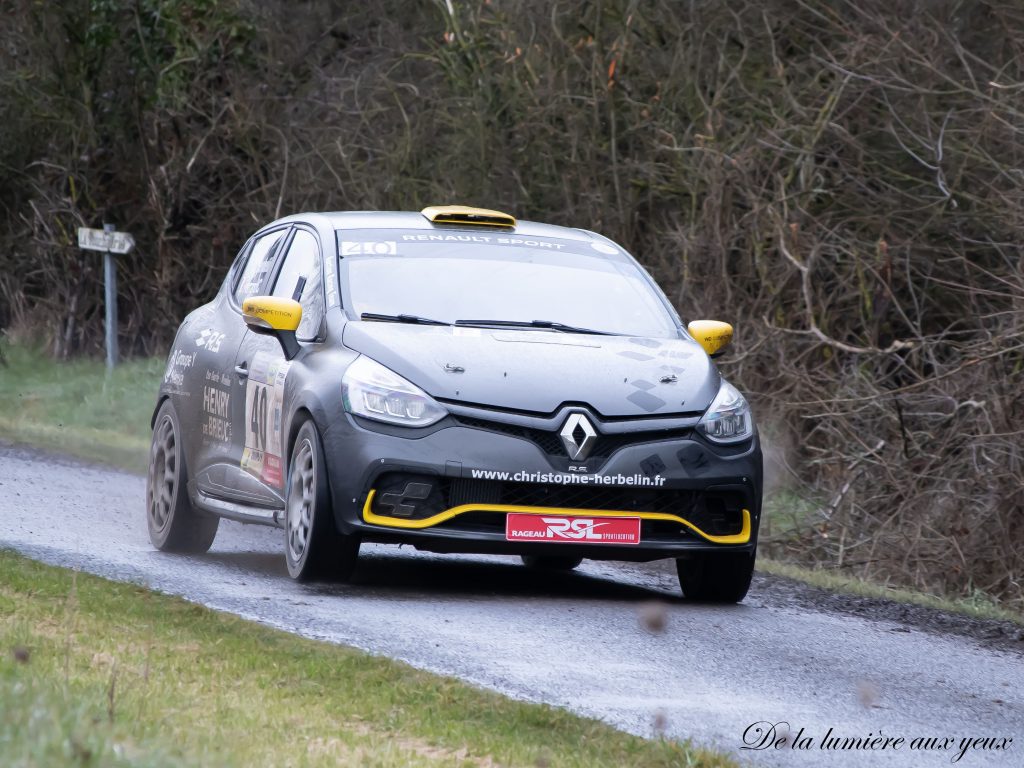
pixel 94 672
pixel 77 408
pixel 979 607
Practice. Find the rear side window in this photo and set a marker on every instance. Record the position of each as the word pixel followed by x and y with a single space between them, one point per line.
pixel 300 279
pixel 261 259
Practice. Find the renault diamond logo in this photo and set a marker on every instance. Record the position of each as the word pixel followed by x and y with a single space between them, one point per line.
pixel 578 436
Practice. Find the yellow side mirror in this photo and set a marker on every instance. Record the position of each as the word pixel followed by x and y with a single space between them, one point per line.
pixel 713 335
pixel 272 312
pixel 275 316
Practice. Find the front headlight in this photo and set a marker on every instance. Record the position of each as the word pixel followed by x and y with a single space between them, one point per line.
pixel 375 392
pixel 728 419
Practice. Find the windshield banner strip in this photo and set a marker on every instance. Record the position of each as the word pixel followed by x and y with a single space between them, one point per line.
pixel 398 242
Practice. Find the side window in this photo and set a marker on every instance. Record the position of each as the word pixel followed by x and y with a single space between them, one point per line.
pixel 261 259
pixel 300 279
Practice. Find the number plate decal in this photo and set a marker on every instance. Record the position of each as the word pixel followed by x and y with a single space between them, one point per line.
pixel 264 399
pixel 572 530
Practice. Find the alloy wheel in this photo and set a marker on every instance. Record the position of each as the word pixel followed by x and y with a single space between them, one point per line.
pixel 301 501
pixel 163 474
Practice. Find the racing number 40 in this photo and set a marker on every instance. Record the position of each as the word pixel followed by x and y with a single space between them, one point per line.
pixel 258 418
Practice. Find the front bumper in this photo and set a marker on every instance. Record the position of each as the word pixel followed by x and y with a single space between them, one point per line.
pixel 465 476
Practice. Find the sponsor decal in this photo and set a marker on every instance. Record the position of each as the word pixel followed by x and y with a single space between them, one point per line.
pixel 529 243
pixel 332 283
pixel 567 478
pixel 379 242
pixel 210 339
pixel 491 240
pixel 431 238
pixel 262 310
pixel 257 280
pixel 217 407
pixel 577 530
pixel 264 400
pixel 368 248
pixel 177 364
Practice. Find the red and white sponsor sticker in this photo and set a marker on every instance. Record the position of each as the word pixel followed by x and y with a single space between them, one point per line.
pixel 572 530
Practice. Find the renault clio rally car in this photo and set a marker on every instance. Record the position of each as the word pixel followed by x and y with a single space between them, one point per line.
pixel 461 382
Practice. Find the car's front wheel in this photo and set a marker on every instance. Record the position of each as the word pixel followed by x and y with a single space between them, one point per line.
pixel 551 562
pixel 312 544
pixel 716 577
pixel 174 524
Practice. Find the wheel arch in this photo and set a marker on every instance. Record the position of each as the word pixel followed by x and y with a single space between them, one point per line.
pixel 307 402
pixel 160 400
pixel 301 415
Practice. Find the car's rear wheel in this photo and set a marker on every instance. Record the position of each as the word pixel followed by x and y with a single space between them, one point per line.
pixel 174 524
pixel 716 577
pixel 551 562
pixel 313 546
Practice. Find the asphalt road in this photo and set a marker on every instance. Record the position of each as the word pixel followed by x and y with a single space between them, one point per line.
pixel 579 640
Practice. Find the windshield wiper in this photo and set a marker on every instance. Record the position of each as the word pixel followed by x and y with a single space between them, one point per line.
pixel 411 319
pixel 549 325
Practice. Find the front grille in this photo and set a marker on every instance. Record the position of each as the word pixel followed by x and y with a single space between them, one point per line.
pixel 551 444
pixel 715 512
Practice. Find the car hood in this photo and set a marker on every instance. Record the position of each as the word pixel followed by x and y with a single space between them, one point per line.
pixel 538 371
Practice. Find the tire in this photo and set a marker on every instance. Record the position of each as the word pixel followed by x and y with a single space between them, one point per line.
pixel 551 562
pixel 716 577
pixel 313 547
pixel 174 524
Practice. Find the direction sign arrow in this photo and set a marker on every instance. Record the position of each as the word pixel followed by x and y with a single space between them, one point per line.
pixel 100 240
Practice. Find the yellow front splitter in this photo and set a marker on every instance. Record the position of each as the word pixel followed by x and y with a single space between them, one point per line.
pixel 392 522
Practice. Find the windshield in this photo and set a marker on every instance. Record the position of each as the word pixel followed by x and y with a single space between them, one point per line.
pixel 501 277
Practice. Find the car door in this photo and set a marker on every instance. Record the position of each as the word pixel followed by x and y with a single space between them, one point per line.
pixel 298 275
pixel 217 471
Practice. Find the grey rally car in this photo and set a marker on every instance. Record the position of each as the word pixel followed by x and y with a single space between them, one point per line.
pixel 462 382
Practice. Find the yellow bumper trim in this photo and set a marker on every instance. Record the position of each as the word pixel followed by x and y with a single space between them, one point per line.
pixel 393 522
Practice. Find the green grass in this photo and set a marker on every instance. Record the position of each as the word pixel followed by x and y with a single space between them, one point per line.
pixel 78 409
pixel 979 606
pixel 118 675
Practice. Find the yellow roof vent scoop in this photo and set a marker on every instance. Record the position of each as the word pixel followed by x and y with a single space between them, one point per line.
pixel 463 214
